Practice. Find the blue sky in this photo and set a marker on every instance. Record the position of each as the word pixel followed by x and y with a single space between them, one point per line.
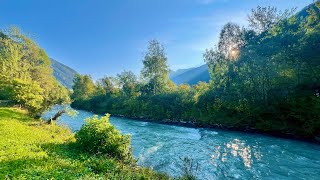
pixel 105 37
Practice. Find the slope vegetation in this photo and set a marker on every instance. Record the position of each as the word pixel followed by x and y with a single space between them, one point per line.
pixel 30 149
pixel 63 73
pixel 191 76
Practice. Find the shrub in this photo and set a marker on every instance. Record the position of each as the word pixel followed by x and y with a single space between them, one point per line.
pixel 99 137
pixel 189 168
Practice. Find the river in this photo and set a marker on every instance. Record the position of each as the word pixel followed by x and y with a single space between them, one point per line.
pixel 215 154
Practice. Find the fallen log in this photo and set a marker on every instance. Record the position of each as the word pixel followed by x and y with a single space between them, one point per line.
pixel 56 116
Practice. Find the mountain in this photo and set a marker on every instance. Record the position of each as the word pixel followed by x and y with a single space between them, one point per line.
pixel 63 73
pixel 178 72
pixel 190 76
pixel 304 12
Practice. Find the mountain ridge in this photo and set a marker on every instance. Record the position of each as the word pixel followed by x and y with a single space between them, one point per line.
pixel 190 76
pixel 63 73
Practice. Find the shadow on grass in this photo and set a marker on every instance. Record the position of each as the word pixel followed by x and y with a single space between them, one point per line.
pixel 9 113
pixel 63 162
pixel 68 150
pixel 66 161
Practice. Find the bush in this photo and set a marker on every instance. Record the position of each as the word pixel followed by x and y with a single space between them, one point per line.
pixel 30 149
pixel 99 137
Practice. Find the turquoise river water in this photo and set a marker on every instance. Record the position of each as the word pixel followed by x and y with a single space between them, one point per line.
pixel 216 154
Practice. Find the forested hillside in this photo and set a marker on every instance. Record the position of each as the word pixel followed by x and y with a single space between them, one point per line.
pixel 264 77
pixel 63 73
pixel 190 76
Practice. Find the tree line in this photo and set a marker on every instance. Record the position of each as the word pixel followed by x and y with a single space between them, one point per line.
pixel 25 74
pixel 263 77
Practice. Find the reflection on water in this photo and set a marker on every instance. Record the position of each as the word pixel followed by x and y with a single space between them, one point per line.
pixel 239 148
pixel 236 149
pixel 219 154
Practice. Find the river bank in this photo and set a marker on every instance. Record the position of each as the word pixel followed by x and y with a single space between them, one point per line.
pixel 162 148
pixel 194 124
pixel 31 149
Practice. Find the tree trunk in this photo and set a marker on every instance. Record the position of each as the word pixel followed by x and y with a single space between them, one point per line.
pixel 56 116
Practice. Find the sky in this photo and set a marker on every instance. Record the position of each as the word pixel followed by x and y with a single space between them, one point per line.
pixel 105 37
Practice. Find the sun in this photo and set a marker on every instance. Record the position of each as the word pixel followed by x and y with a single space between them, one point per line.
pixel 234 53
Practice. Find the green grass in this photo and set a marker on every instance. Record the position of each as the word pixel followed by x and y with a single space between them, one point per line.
pixel 30 149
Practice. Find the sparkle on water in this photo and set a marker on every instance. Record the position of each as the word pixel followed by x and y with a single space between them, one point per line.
pixel 218 154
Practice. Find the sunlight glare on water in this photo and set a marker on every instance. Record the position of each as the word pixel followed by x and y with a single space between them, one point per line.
pixel 219 154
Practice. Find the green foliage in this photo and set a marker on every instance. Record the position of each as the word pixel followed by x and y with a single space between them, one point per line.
pixel 28 94
pixel 83 87
pixel 98 136
pixel 264 77
pixel 26 76
pixel 263 18
pixel 128 83
pixel 276 70
pixel 30 149
pixel 108 84
pixel 155 69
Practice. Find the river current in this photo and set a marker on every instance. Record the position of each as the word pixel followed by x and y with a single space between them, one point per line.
pixel 215 154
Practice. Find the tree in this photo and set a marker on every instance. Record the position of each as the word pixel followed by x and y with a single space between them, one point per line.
pixel 108 84
pixel 263 18
pixel 25 65
pixel 128 83
pixel 155 69
pixel 28 95
pixel 83 87
pixel 200 89
pixel 230 41
pixel 267 81
pixel 221 59
pixel 11 63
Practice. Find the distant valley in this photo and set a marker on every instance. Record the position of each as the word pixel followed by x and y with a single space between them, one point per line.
pixel 65 74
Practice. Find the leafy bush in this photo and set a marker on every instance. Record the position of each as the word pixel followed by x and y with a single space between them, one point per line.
pixel 98 136
pixel 29 95
pixel 189 168
pixel 30 149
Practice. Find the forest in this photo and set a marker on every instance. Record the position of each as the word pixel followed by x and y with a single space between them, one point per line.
pixel 264 77
pixel 35 148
